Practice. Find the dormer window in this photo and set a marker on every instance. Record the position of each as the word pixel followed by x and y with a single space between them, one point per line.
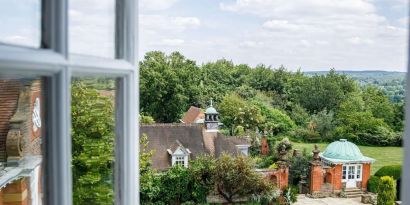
pixel 180 160
pixel 179 154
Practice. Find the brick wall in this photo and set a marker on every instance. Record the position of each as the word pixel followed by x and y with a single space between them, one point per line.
pixel 316 178
pixel 9 94
pixel 16 193
pixel 365 175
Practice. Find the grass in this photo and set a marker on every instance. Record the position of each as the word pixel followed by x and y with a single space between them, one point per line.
pixel 383 155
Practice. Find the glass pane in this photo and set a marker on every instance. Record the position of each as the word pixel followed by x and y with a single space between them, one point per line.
pixel 20 22
pixel 91 27
pixel 21 140
pixel 92 111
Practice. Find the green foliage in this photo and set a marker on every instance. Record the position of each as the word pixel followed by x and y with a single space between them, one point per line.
pixel 146 119
pixel 322 106
pixel 373 184
pixel 387 191
pixel 392 171
pixel 321 92
pixel 229 108
pixel 299 166
pixel 324 124
pixel 168 85
pixel 92 145
pixel 235 176
pixel 290 195
pixel 275 120
pixel 284 143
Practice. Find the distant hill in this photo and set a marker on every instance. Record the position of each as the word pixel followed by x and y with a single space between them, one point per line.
pixel 391 82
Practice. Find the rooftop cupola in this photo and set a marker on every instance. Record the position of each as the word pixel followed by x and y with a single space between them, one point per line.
pixel 211 118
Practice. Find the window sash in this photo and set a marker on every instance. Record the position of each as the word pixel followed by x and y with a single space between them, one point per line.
pixel 57 67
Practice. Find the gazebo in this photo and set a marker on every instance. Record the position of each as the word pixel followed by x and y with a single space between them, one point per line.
pixel 341 166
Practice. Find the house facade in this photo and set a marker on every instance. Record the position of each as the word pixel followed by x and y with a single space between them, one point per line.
pixel 20 142
pixel 341 167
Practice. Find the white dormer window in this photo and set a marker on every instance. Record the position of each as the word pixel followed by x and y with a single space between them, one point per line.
pixel 180 156
pixel 180 160
pixel 243 149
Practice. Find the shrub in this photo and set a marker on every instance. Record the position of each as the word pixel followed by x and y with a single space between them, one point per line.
pixel 236 177
pixel 387 191
pixel 373 184
pixel 392 170
pixel 290 195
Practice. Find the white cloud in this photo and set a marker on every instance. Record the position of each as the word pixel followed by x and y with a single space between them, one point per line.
pixel 160 22
pixel 156 5
pixel 251 44
pixel 280 25
pixel 169 42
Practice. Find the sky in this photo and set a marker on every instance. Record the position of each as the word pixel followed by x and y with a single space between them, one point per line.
pixel 305 34
pixel 298 34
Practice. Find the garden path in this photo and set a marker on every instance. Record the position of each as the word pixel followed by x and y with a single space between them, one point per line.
pixel 303 200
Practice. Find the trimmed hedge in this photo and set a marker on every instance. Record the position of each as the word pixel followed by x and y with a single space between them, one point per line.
pixel 373 184
pixel 387 191
pixel 392 170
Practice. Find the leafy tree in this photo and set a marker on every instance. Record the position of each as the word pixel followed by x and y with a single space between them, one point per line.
pixel 249 117
pixel 229 108
pixel 146 119
pixel 378 104
pixel 92 145
pixel 321 92
pixel 275 120
pixel 387 192
pixel 325 124
pixel 168 85
pixel 236 177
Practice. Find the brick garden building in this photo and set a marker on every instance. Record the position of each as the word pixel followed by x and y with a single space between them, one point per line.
pixel 20 142
pixel 340 167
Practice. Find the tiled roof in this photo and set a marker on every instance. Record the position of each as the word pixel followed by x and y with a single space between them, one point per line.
pixel 164 136
pixel 192 114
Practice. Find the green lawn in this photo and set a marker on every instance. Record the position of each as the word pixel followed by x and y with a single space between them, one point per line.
pixel 383 155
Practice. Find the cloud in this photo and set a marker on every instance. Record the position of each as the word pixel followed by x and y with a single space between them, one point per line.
pixel 280 25
pixel 156 5
pixel 169 42
pixel 160 22
pixel 251 44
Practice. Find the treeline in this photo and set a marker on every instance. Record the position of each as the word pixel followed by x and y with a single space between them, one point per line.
pixel 283 103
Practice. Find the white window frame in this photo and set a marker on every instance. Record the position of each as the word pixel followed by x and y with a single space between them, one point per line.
pixel 180 158
pixel 345 172
pixel 56 65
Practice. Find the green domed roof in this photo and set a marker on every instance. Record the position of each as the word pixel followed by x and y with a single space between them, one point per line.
pixel 343 150
pixel 211 110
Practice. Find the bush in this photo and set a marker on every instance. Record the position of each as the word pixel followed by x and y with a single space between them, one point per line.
pixel 373 184
pixel 387 191
pixel 290 195
pixel 392 170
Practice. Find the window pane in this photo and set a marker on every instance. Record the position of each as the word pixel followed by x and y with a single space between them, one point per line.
pixel 91 27
pixel 21 140
pixel 20 22
pixel 93 140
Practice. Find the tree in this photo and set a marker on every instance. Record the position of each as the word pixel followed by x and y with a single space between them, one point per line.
pixel 229 108
pixel 92 145
pixel 236 177
pixel 274 119
pixel 378 104
pixel 386 191
pixel 168 85
pixel 325 124
pixel 149 180
pixel 321 92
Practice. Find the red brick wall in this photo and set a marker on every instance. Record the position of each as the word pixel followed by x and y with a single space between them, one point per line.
pixel 9 94
pixel 337 183
pixel 365 175
pixel 316 178
pixel 265 146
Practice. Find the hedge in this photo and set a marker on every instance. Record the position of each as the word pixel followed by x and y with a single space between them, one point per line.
pixel 373 184
pixel 392 170
pixel 387 191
